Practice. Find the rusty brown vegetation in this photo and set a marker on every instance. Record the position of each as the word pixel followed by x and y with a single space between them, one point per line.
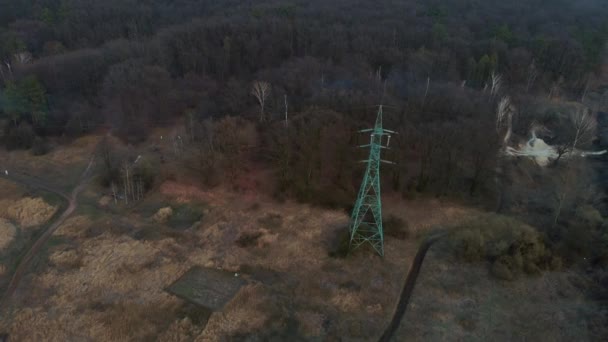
pixel 107 283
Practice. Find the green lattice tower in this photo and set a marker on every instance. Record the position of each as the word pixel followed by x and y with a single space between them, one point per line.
pixel 366 219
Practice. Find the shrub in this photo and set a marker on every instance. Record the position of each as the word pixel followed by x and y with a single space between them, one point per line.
pixel 340 243
pixel 470 246
pixel 511 246
pixel 396 227
pixel 146 171
pixel 21 136
pixel 555 263
pixel 271 221
pixel 184 216
pixel 40 146
pixel 248 238
pixel 600 247
pixel 332 198
pixel 502 268
pixel 198 315
pixel 589 216
pixel 576 241
pixel 531 268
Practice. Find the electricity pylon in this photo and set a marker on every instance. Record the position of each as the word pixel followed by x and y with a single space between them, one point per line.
pixel 366 219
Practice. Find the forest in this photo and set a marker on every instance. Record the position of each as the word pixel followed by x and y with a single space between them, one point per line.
pixel 153 148
pixel 285 85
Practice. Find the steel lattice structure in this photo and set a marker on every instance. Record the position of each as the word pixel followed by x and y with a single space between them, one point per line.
pixel 366 219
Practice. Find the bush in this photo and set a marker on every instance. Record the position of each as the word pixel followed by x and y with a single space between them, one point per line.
pixel 184 216
pixel 510 245
pixel 577 240
pixel 600 247
pixel 589 216
pixel 531 268
pixel 147 172
pixel 396 227
pixel 502 268
pixel 470 246
pixel 271 221
pixel 248 238
pixel 332 198
pixel 198 315
pixel 340 243
pixel 21 136
pixel 40 146
pixel 555 263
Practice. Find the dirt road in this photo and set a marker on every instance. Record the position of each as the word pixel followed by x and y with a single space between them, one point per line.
pixel 35 248
pixel 408 287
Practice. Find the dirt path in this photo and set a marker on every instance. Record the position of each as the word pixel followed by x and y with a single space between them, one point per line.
pixel 408 287
pixel 33 251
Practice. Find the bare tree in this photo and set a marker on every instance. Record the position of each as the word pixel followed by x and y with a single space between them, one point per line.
pixel 585 90
pixel 23 57
pixel 286 109
pixel 532 75
pixel 378 74
pixel 504 118
pixel 261 90
pixel 426 91
pixel 190 124
pixel 126 182
pixel 6 71
pixel 584 126
pixel 556 88
pixel 496 80
pixel 113 186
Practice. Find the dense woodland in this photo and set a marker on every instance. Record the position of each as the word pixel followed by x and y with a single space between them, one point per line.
pixel 71 67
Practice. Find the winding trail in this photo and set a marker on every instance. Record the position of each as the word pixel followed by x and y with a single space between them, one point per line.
pixel 72 200
pixel 408 287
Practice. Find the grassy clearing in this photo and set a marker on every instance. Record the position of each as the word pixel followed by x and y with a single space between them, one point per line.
pixel 298 292
pixel 184 216
pixel 511 246
pixel 271 221
pixel 49 197
pixel 150 205
pixel 455 301
pixel 89 210
pixel 196 314
pixel 396 227
pixel 25 238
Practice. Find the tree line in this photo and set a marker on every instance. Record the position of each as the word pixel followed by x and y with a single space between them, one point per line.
pixel 296 80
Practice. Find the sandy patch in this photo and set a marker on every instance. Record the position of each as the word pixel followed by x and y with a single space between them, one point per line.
pixel 75 226
pixel 110 287
pixel 241 315
pixel 28 212
pixel 163 214
pixel 9 190
pixel 311 323
pixel 104 201
pixel 7 234
pixel 186 193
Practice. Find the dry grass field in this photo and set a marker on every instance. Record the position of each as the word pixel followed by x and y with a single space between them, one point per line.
pixel 23 213
pixel 460 302
pixel 102 275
